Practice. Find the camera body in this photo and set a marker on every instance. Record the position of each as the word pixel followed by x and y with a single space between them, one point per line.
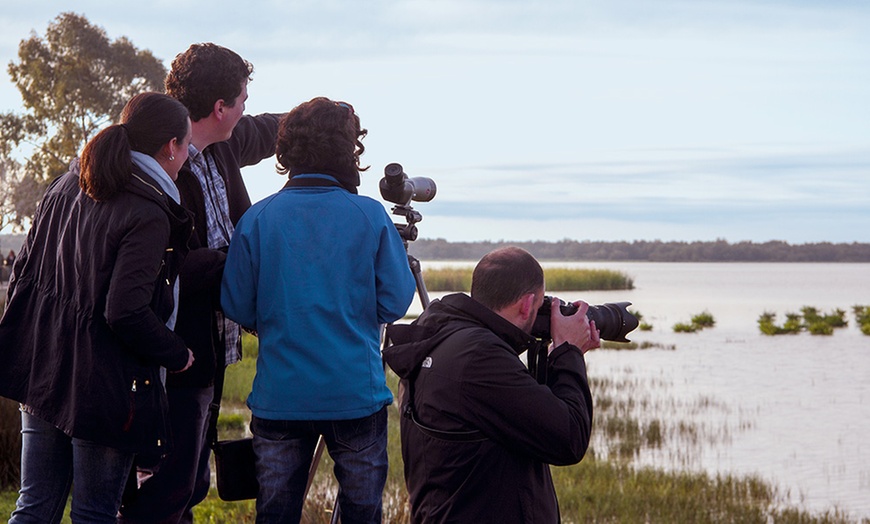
pixel 613 320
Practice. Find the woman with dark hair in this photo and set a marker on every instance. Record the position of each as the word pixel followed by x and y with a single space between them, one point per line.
pixel 89 315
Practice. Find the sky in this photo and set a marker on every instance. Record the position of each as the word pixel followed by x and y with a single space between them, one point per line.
pixel 673 120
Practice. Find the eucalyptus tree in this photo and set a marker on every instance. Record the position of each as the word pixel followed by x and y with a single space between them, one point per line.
pixel 73 82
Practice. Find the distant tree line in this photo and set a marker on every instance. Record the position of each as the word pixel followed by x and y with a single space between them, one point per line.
pixel 651 251
pixel 638 250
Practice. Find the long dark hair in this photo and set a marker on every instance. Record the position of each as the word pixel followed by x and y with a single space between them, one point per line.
pixel 148 122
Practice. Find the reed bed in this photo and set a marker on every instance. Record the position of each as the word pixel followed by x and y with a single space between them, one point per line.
pixel 557 279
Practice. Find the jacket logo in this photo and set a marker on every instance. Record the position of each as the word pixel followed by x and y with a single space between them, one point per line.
pixel 427 362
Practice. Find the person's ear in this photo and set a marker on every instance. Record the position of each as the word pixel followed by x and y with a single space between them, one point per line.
pixel 527 306
pixel 170 149
pixel 219 108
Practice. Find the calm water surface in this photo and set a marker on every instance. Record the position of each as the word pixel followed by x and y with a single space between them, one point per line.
pixel 792 409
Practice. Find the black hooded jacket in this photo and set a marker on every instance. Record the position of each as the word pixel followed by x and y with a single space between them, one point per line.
pixel 84 333
pixel 460 370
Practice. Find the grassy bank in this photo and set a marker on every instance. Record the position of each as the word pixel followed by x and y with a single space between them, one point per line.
pixel 604 487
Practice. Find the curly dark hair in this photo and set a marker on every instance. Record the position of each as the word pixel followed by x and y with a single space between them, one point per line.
pixel 204 74
pixel 320 135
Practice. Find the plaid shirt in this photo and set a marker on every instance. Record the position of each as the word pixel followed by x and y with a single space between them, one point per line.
pixel 220 231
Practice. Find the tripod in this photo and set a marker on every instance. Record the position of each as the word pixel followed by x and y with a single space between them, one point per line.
pixel 408 232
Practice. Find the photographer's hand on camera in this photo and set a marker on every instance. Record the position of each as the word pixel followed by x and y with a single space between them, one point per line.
pixel 575 329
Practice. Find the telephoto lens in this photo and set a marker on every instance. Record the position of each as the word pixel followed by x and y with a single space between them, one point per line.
pixel 613 320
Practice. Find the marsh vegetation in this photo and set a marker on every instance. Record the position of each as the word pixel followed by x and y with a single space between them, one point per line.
pixel 700 321
pixel 633 416
pixel 558 279
pixel 811 320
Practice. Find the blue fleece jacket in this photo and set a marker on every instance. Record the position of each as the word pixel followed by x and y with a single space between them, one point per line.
pixel 316 270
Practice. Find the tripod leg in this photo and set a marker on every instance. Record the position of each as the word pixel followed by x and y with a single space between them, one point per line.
pixel 318 452
pixel 414 264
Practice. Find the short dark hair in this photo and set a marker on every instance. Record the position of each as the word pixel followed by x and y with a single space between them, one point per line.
pixel 505 275
pixel 204 74
pixel 323 136
pixel 148 122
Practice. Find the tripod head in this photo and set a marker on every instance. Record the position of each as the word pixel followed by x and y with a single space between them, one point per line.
pixel 408 230
pixel 398 188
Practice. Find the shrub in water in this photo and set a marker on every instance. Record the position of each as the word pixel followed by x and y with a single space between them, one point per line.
pixel 699 322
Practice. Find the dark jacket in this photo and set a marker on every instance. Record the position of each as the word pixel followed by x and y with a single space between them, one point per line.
pixel 460 368
pixel 253 140
pixel 84 334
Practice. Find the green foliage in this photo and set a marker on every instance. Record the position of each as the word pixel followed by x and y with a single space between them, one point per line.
pixel 557 279
pixel 606 491
pixel 820 328
pixel 240 376
pixel 862 317
pixel 682 327
pixel 565 279
pixel 448 279
pixel 643 326
pixel 812 317
pixel 73 82
pixel 809 319
pixel 699 322
pixel 704 320
pixel 213 510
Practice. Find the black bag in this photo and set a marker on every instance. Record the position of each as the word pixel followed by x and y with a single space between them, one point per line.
pixel 234 460
pixel 235 469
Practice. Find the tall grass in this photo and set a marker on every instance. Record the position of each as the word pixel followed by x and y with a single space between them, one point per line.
pixel 604 487
pixel 557 279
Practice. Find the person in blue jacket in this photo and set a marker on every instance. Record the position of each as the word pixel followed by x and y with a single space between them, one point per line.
pixel 315 269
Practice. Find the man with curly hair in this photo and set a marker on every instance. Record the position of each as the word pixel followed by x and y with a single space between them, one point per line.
pixel 211 81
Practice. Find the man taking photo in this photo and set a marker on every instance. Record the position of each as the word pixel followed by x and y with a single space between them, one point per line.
pixel 478 431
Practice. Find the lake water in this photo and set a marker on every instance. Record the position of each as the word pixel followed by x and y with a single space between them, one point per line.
pixel 792 409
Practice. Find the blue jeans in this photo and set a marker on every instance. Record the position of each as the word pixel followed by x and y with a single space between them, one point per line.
pixel 52 462
pixel 285 449
pixel 182 479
